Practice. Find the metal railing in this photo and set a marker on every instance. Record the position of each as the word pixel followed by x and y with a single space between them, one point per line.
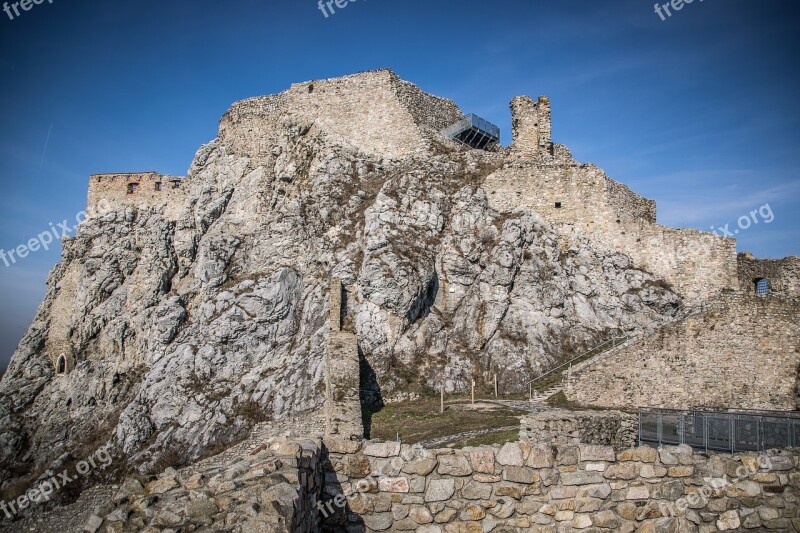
pixel 720 429
pixel 601 348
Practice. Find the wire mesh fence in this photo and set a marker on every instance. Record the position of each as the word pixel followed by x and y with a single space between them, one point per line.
pixel 730 431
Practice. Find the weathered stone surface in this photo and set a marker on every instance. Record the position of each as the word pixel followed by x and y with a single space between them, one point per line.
pixel 421 467
pixel 393 484
pixel 510 455
pixel 482 460
pixel 382 449
pixel 728 520
pixel 454 465
pixel 440 490
pixel 378 521
pixel 519 474
pixel 642 454
pixel 596 453
pixel 420 515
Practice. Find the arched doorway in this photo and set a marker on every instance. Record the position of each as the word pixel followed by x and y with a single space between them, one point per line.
pixel 61 364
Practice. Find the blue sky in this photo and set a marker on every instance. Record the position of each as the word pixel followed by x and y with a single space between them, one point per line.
pixel 698 112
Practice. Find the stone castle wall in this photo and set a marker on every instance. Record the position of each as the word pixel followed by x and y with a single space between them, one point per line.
pixel 396 487
pixel 114 191
pixel 783 275
pixel 583 202
pixel 342 374
pixel 374 112
pixel 742 352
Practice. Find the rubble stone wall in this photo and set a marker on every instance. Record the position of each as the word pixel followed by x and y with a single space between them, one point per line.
pixel 783 275
pixel 561 427
pixel 742 352
pixel 388 486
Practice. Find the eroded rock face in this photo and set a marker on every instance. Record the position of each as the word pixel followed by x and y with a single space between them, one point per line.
pixel 188 328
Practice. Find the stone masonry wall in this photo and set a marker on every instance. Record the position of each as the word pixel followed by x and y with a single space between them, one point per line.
pixel 586 204
pixel 546 488
pixel 783 275
pixel 112 191
pixel 531 128
pixel 342 375
pixel 561 427
pixel 743 352
pixel 375 112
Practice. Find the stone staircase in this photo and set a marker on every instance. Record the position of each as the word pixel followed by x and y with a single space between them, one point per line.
pixel 539 398
pixel 572 375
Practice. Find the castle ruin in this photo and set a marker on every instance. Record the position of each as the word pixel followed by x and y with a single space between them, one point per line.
pixel 382 116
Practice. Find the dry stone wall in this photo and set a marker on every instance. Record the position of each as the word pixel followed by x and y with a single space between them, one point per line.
pixel 388 486
pixel 561 427
pixel 742 352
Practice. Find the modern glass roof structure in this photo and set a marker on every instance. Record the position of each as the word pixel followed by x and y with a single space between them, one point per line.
pixel 474 131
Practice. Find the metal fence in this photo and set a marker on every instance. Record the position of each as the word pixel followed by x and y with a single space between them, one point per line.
pixel 720 430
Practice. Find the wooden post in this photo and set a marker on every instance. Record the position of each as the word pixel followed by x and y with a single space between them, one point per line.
pixel 441 404
pixel 495 385
pixel 473 392
pixel 530 394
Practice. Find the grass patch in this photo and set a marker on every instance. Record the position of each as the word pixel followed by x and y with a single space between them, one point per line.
pixel 421 420
pixel 501 437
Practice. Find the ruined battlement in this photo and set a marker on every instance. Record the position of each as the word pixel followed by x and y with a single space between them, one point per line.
pixel 134 189
pixel 769 277
pixel 374 112
pixel 531 127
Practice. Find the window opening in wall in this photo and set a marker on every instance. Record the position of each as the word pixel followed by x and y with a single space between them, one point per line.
pixel 158 185
pixel 558 205
pixel 176 184
pixel 61 365
pixel 132 187
pixel 762 286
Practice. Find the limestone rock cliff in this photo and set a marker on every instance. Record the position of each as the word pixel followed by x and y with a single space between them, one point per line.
pixel 188 318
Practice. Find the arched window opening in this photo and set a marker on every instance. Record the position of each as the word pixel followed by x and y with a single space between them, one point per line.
pixel 762 286
pixel 61 365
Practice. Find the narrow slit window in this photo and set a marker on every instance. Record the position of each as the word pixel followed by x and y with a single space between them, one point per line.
pixel 558 205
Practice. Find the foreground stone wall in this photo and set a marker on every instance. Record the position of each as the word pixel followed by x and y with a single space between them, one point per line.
pixel 561 427
pixel 783 275
pixel 519 487
pixel 743 352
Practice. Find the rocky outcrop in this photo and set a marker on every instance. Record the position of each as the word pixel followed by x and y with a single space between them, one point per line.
pixel 187 324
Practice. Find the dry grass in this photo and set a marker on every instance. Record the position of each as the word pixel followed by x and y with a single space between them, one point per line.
pixel 421 420
pixel 501 437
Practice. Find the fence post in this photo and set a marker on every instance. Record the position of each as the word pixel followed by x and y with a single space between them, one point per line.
pixel 640 428
pixel 473 392
pixel 495 385
pixel 441 404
